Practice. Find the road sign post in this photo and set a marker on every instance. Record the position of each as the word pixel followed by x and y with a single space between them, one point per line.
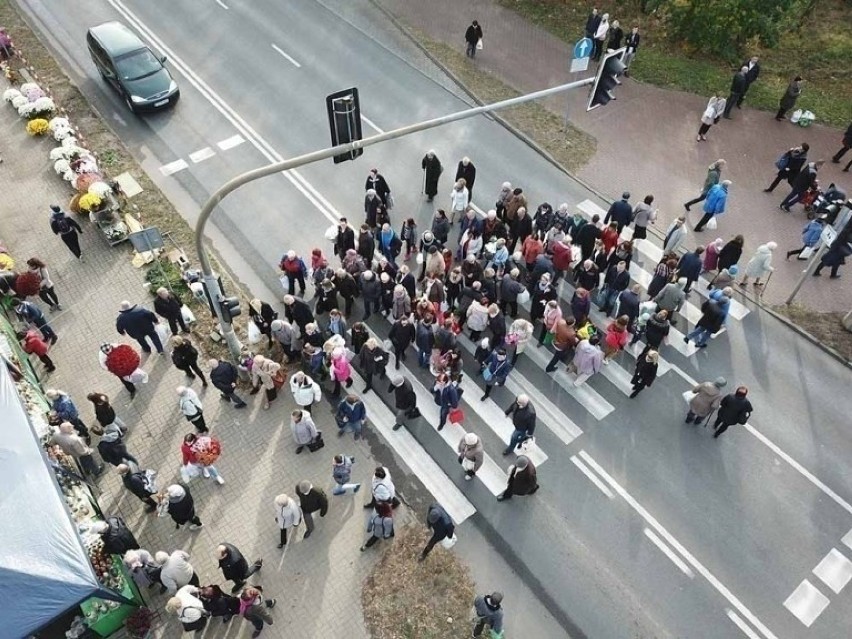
pixel 582 53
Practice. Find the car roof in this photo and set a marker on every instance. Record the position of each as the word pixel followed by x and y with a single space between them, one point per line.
pixel 116 38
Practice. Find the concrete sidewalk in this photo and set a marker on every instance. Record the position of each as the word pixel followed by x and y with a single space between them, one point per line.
pixel 646 140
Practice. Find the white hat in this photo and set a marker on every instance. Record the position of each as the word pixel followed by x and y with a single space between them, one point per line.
pixel 471 439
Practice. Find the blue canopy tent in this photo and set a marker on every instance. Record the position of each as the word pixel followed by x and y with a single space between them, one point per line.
pixel 44 569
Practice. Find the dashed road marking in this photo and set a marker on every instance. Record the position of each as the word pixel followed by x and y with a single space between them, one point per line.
pixel 287 56
pixel 173 167
pixel 231 142
pixel 835 570
pixel 222 4
pixel 742 625
pixel 592 477
pixel 202 154
pixel 806 603
pixel 668 552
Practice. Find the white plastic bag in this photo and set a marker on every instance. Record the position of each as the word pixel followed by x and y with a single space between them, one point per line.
pixel 523 297
pixel 479 45
pixel 163 332
pixel 138 376
pixel 711 223
pixel 187 314
pixel 188 472
pixel 419 258
pixel 468 464
pixel 449 542
pixel 527 444
pixel 806 253
pixel 253 333
pixel 806 119
pixel 331 233
pixel 797 114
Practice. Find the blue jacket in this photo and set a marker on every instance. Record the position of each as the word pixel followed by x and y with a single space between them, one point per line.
pixel 342 473
pixel 29 312
pixel 717 196
pixel 690 266
pixel 499 370
pixel 722 300
pixel 448 397
pixel 136 321
pixel 65 408
pixel 475 223
pixel 444 527
pixel 811 233
pixel 356 412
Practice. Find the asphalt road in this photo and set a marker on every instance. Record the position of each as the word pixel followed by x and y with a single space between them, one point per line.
pixel 677 534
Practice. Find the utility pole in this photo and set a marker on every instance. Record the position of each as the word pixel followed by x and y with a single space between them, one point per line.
pixel 226 328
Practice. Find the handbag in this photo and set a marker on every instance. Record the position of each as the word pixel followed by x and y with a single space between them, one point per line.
pixel 449 542
pixel 316 443
pixel 468 464
pixel 279 378
pixel 455 416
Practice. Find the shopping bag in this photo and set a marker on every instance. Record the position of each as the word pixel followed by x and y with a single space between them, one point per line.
pixel 279 378
pixel 487 375
pixel 285 283
pixel 712 224
pixel 527 444
pixel 186 314
pixel 468 464
pixel 163 332
pixel 806 253
pixel 449 542
pixel 331 233
pixel 138 376
pixel 797 114
pixel 523 297
pixel 389 201
pixel 316 443
pixel 253 333
pixel 188 472
pixel 419 258
pixel 479 45
pixel 548 338
pixel 456 416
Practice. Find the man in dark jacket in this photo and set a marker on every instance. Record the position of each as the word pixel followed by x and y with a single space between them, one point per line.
pixel 752 67
pixel 847 144
pixel 523 479
pixel 592 24
pixel 628 304
pixel 297 312
pixel 739 86
pixel 805 179
pixel 616 280
pixel 116 535
pixel 447 397
pixel 442 527
pixel 466 170
pixel 401 336
pixel 587 235
pixel 311 500
pixel 345 238
pixel 712 319
pixel 734 409
pixel 424 339
pixel 690 267
pixel 523 419
pixel 234 566
pixel 371 292
pixel 224 376
pixel 620 212
pixel 404 400
pixel 167 306
pixel 472 36
pixel 488 609
pixel 139 323
pixel 791 164
pixel 137 483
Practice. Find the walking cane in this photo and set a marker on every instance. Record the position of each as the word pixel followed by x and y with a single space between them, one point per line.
pixel 707 421
pixel 423 188
pixel 765 284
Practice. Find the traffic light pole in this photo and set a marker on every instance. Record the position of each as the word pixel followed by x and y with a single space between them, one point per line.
pixel 233 184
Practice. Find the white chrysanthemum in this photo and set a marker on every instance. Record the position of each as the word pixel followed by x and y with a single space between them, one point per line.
pixel 19 100
pixel 61 166
pixel 101 189
pixel 26 87
pixel 10 94
pixel 59 123
pixel 62 134
pixel 26 110
pixel 44 104
pixel 70 142
pixel 69 176
pixel 34 94
pixel 57 153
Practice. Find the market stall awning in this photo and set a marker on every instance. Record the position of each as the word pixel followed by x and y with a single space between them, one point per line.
pixel 44 568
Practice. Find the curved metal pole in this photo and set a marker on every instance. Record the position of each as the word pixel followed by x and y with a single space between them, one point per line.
pixel 277 167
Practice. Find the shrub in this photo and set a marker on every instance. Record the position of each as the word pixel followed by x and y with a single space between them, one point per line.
pixel 168 277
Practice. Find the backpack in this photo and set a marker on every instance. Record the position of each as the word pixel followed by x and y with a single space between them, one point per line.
pixel 782 162
pixel 63 225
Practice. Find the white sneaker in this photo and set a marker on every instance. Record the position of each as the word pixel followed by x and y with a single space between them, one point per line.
pixel 195 527
pixel 220 479
pixel 205 473
pixel 468 477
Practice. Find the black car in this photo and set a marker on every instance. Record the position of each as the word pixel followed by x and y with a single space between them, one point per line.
pixel 131 67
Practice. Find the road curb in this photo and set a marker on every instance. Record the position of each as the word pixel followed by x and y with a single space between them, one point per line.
pixel 547 156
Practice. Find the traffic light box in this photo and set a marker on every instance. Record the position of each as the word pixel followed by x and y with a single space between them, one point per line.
pixel 230 307
pixel 344 118
pixel 611 67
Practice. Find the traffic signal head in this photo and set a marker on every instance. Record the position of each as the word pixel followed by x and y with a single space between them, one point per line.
pixel 230 307
pixel 344 119
pixel 607 79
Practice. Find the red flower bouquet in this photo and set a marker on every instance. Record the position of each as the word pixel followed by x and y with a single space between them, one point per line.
pixel 207 449
pixel 27 284
pixel 122 360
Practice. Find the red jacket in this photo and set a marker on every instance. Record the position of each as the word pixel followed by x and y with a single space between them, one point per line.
pixel 609 237
pixel 561 256
pixel 33 343
pixel 187 453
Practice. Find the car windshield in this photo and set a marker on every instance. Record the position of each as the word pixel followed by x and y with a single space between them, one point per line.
pixel 137 65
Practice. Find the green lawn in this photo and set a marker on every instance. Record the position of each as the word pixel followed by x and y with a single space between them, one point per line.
pixel 821 51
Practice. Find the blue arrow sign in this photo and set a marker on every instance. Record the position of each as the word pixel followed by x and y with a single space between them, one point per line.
pixel 583 48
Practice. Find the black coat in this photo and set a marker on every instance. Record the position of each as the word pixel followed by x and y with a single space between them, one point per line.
pixel 135 483
pixel 739 84
pixel 592 24
pixel 379 185
pixel 300 313
pixel 183 510
pixel 184 356
pixel 136 322
pixel 734 410
pixel 404 396
pixel 628 304
pixel 586 237
pixel 234 566
pixel 523 419
pixel 168 308
pixel 616 281
pixel 645 372
pixel 712 317
pixel 473 34
pixel 433 169
pixel 615 36
pixel 521 227
pixel 346 285
pixel 118 539
pixel 620 212
pixel 264 319
pixel 113 453
pixel 314 500
pixel 401 336
pixel 467 172
pixel 345 241
pixel 373 361
pixel 424 338
pixel 105 414
pixel 223 376
pixel 730 254
pixel 443 528
pixel 366 246
pixel 804 179
pixel 752 73
pixel 656 331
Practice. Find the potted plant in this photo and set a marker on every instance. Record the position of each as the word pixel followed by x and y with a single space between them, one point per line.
pixel 138 623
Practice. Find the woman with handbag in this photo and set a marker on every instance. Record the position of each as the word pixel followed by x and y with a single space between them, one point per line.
pixel 268 374
pixel 471 454
pixel 712 112
pixel 497 369
pixel 191 408
pixel 188 608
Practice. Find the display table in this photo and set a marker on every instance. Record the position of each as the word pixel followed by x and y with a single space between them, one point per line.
pixel 105 617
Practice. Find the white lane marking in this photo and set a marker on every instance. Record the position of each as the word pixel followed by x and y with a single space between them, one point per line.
pixel 173 167
pixel 742 625
pixel 418 460
pixel 592 477
pixel 478 210
pixel 668 552
pixel 231 142
pixel 287 56
pixel 806 602
pixel 690 559
pixel 802 470
pixel 546 411
pixel 371 124
pixel 222 4
pixel 202 154
pixel 265 149
pixel 847 539
pixel 835 570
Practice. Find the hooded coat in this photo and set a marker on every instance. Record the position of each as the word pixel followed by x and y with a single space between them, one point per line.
pixel 587 358
pixel 760 265
pixel 474 453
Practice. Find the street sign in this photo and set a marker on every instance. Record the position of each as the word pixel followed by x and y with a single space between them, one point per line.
pixel 582 52
pixel 147 239
pixel 828 234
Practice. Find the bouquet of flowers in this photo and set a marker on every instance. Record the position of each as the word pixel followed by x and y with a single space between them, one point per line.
pixel 138 623
pixel 207 449
pixel 122 360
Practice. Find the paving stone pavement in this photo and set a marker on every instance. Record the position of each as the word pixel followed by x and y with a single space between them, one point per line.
pixel 646 140
pixel 318 581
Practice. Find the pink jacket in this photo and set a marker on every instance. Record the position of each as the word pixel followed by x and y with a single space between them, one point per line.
pixel 551 317
pixel 340 369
